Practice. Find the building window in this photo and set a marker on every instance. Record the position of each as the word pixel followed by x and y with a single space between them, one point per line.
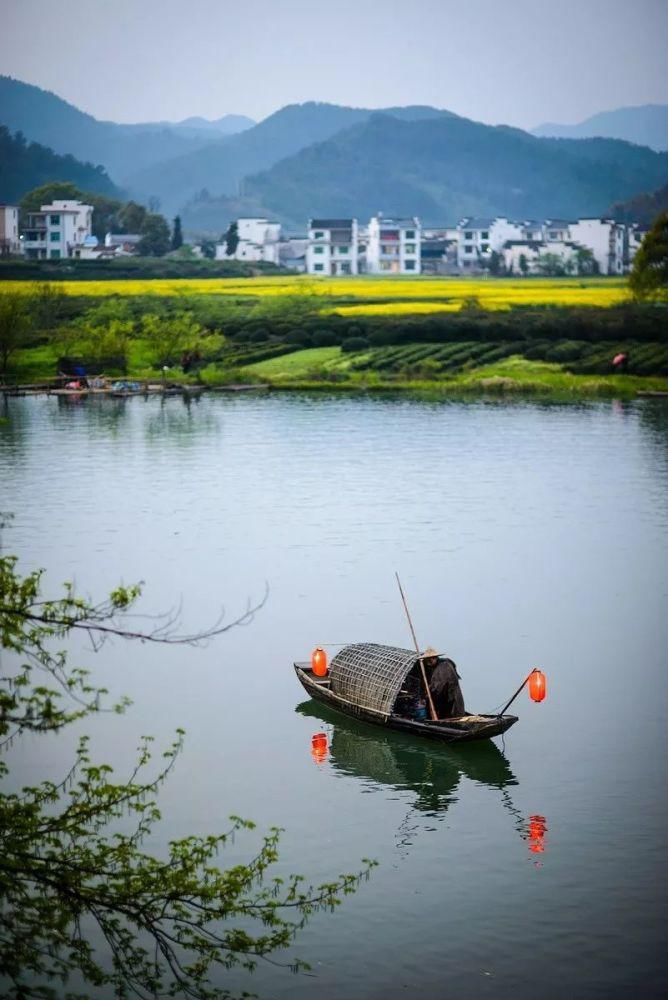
pixel 410 248
pixel 319 235
pixel 55 254
pixel 343 249
pixel 54 220
pixel 410 265
pixel 318 249
pixel 54 237
pixel 468 248
pixel 484 247
pixel 385 265
pixel 468 235
pixel 318 267
pixel 484 236
pixel 409 234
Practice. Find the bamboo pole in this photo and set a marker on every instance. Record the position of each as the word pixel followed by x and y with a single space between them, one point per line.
pixel 432 710
pixel 509 703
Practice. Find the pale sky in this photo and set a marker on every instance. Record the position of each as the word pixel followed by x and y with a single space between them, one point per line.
pixel 519 62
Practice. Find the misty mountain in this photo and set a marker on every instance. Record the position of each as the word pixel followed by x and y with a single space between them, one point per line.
pixel 221 168
pixel 646 125
pixel 24 166
pixel 45 118
pixel 213 128
pixel 442 168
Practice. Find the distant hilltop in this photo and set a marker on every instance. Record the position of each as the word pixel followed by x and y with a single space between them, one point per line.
pixel 646 125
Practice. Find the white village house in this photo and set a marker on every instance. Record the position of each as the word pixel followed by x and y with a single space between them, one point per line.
pixel 57 230
pixel 333 247
pixel 258 241
pixel 393 245
pixel 9 229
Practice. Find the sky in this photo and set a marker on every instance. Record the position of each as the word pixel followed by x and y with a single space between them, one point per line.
pixel 518 62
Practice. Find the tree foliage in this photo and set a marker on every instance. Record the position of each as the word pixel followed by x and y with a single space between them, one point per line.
pixel 16 325
pixel 169 336
pixel 155 239
pixel 177 234
pixel 80 896
pixel 649 276
pixel 232 239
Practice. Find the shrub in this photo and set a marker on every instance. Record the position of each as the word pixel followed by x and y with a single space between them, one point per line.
pixel 355 344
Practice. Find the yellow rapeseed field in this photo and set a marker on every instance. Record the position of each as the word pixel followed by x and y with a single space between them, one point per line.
pixel 377 296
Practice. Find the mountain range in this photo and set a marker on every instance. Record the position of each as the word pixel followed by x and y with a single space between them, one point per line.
pixel 45 118
pixel 310 159
pixel 646 125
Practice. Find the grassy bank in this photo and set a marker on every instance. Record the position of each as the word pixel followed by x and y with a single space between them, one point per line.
pixel 450 334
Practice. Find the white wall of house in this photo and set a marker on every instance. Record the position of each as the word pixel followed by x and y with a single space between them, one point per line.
pixel 9 229
pixel 258 241
pixel 333 247
pixel 57 229
pixel 393 246
pixel 605 239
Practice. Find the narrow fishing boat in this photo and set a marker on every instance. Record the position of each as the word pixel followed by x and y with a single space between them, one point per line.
pixel 379 683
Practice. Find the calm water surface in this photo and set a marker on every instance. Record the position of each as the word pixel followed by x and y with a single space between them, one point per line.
pixel 525 535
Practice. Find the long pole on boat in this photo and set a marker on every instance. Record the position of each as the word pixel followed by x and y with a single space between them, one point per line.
pixel 432 710
pixel 509 703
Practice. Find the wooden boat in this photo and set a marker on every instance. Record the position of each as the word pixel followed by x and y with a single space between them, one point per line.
pixel 368 681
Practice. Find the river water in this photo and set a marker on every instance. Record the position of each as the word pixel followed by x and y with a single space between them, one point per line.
pixel 524 534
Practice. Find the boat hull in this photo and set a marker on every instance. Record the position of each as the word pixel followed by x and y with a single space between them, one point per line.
pixel 464 730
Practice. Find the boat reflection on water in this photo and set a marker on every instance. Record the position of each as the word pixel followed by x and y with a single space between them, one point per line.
pixel 431 772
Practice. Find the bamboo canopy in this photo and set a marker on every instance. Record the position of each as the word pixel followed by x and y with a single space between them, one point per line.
pixel 370 675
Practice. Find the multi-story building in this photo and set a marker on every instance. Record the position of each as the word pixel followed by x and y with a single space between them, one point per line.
pixel 9 230
pixel 258 241
pixel 333 247
pixel 605 238
pixel 393 246
pixel 57 230
pixel 479 238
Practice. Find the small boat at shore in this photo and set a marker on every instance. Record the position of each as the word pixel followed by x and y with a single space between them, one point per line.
pixel 372 682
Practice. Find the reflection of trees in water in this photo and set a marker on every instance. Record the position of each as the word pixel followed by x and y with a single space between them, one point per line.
pixel 431 772
pixel 653 418
pixel 179 418
pixel 14 426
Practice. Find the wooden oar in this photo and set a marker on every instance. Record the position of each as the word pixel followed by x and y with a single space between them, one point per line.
pixel 432 710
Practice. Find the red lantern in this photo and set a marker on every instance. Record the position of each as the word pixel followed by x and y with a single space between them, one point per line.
pixel 537 686
pixel 319 747
pixel 319 662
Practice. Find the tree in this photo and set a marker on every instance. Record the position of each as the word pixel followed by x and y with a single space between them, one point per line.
pixel 154 236
pixel 131 217
pixel 524 264
pixel 169 336
pixel 177 235
pixel 16 324
pixel 585 262
pixel 167 923
pixel 232 239
pixel 649 275
pixel 551 265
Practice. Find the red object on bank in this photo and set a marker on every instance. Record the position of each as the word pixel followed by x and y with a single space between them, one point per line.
pixel 319 662
pixel 537 686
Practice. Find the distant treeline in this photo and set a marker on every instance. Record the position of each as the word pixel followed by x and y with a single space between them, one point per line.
pixel 126 268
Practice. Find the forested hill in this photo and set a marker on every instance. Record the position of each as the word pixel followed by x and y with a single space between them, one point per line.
pixel 45 118
pixel 442 168
pixel 221 168
pixel 24 166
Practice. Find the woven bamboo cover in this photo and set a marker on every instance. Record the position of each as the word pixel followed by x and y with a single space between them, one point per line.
pixel 370 675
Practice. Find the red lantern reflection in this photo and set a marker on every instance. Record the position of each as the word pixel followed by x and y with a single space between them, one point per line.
pixel 319 747
pixel 537 831
pixel 537 685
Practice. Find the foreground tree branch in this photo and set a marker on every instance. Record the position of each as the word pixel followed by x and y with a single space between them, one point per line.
pixel 70 873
